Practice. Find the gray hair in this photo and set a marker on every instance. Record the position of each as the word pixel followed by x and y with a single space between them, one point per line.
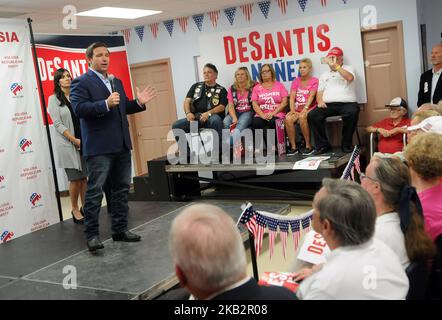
pixel 393 175
pixel 350 210
pixel 207 246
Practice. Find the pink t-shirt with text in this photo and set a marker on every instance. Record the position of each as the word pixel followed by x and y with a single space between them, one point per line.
pixel 303 93
pixel 242 101
pixel 432 208
pixel 268 100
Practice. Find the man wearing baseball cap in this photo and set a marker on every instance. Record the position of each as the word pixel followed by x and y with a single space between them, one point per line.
pixel 392 128
pixel 336 96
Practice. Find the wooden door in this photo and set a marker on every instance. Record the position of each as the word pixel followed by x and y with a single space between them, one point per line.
pixel 150 128
pixel 384 70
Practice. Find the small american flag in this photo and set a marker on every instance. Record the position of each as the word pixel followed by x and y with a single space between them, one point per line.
pixel 214 16
pixel 183 21
pixel 230 14
pixel 247 11
pixel 248 218
pixel 140 32
pixel 347 171
pixel 154 29
pixel 282 4
pixel 264 6
pixel 126 34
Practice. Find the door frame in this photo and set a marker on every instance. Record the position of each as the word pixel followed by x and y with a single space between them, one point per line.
pixel 132 122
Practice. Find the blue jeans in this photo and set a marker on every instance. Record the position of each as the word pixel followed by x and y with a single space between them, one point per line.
pixel 214 122
pixel 118 167
pixel 244 122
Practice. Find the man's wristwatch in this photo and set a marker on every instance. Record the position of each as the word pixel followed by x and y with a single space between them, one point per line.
pixel 210 114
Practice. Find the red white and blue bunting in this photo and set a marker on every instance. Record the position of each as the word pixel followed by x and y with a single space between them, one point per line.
pixel 230 14
pixel 183 22
pixel 247 10
pixel 257 221
pixel 264 6
pixel 198 19
pixel 154 29
pixel 140 32
pixel 169 26
pixel 214 16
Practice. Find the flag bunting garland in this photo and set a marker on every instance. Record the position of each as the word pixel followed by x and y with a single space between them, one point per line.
pixel 154 29
pixel 264 6
pixel 257 221
pixel 140 32
pixel 183 21
pixel 230 14
pixel 282 4
pixel 214 17
pixel 126 34
pixel 247 11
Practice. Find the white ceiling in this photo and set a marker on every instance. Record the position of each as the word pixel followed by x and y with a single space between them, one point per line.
pixel 47 15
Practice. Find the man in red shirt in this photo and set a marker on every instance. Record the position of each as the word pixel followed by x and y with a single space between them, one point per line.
pixel 391 129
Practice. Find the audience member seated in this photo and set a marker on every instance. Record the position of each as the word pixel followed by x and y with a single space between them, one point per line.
pixel 430 86
pixel 399 222
pixel 392 128
pixel 205 102
pixel 269 100
pixel 358 266
pixel 336 96
pixel 424 158
pixel 210 260
pixel 302 101
pixel 430 106
pixel 240 107
pixel 424 121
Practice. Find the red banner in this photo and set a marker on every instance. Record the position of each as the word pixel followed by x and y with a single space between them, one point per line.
pixel 51 57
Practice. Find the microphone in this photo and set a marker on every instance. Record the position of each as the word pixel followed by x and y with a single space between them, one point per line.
pixel 111 78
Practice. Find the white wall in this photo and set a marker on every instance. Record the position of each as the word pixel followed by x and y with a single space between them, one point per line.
pixel 182 47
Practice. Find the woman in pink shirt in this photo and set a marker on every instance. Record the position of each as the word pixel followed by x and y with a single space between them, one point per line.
pixel 424 157
pixel 269 99
pixel 240 111
pixel 302 101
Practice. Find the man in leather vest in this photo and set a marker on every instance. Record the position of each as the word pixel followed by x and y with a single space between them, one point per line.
pixel 205 102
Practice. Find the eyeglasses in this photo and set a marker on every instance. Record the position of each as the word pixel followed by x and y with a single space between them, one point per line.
pixel 364 176
pixel 266 71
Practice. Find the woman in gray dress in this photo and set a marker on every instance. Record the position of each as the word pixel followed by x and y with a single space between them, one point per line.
pixel 68 140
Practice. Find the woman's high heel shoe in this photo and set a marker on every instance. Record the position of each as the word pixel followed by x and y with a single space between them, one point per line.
pixel 78 221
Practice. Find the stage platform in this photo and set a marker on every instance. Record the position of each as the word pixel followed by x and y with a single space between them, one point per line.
pixel 32 265
pixel 254 180
pixel 337 160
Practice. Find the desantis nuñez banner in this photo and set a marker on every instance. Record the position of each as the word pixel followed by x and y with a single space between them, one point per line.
pixel 285 44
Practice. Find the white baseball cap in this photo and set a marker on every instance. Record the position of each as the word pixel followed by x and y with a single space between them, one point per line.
pixel 431 124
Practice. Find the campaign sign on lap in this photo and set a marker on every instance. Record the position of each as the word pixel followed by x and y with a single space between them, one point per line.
pixel 314 248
